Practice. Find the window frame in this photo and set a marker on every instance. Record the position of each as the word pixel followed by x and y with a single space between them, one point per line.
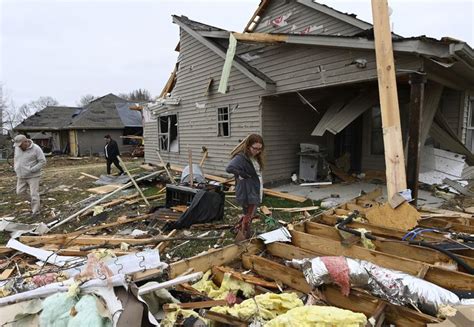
pixel 167 133
pixel 221 122
pixel 470 116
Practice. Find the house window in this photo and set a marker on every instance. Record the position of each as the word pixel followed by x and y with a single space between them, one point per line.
pixel 168 133
pixel 223 121
pixel 376 132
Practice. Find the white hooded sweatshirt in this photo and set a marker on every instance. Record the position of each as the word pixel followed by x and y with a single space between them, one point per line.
pixel 28 163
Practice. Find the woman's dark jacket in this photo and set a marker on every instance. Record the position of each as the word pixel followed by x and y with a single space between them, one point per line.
pixel 247 190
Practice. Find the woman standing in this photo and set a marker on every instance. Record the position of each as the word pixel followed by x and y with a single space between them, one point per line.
pixel 246 165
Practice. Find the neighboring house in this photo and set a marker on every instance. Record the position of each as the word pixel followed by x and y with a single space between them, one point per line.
pixel 316 82
pixel 50 126
pixel 81 131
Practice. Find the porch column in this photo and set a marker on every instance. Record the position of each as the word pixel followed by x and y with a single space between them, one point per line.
pixel 417 91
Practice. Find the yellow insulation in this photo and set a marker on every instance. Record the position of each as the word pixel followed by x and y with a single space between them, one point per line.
pixel 318 316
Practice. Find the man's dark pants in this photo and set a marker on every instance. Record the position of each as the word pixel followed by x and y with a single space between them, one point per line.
pixel 116 162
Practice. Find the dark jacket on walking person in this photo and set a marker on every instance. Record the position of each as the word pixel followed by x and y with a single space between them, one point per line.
pixel 111 151
pixel 247 183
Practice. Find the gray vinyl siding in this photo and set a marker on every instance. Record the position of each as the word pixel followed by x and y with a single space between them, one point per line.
pixel 292 67
pixel 197 128
pixel 302 17
pixel 150 132
pixel 450 108
pixel 286 124
pixel 295 67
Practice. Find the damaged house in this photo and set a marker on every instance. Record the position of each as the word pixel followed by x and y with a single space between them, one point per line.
pixel 80 131
pixel 304 73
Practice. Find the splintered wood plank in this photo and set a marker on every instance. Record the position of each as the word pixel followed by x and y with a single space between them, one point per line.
pixel 6 273
pixel 439 276
pixel 378 230
pixel 260 37
pixel 282 195
pixel 163 245
pixel 417 253
pixel 446 213
pixel 392 131
pixel 357 301
pixel 244 277
pixel 104 189
pixel 226 320
pixel 82 240
pixel 196 305
pixel 207 260
pixel 442 223
pixel 455 220
pixel 404 217
pixel 89 175
pixel 4 250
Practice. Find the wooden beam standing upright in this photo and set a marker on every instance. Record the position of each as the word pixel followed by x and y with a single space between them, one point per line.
pixel 133 181
pixel 417 91
pixel 392 136
pixel 191 174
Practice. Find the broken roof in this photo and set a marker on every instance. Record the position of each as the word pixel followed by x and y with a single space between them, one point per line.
pixel 346 17
pixel 107 112
pixel 216 40
pixel 50 118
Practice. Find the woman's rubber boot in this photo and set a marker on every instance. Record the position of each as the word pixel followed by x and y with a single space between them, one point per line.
pixel 245 232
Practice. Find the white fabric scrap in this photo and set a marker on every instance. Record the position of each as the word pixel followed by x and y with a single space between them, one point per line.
pixel 278 235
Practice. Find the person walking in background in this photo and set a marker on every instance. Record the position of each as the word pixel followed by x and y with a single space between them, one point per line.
pixel 111 151
pixel 246 165
pixel 28 161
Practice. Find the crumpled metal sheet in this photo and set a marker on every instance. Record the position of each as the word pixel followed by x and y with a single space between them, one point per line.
pixel 393 286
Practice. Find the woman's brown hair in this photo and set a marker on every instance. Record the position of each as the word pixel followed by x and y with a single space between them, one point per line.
pixel 244 147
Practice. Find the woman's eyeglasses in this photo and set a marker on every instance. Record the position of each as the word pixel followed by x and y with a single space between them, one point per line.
pixel 256 148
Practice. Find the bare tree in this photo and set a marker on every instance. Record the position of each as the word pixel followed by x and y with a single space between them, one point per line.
pixel 13 115
pixel 3 105
pixel 140 95
pixel 28 109
pixel 9 114
pixel 85 100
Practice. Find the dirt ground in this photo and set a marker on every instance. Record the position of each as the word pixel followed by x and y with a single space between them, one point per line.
pixel 63 192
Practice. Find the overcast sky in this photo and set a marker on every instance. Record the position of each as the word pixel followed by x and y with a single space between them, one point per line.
pixel 69 48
